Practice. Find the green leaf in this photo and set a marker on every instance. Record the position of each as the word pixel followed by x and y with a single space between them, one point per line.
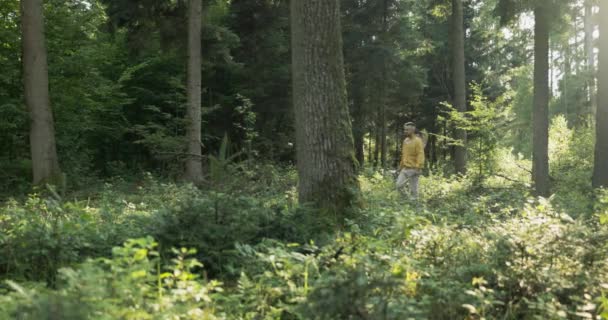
pixel 138 274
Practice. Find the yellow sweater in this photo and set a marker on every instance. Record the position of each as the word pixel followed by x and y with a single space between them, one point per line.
pixel 412 154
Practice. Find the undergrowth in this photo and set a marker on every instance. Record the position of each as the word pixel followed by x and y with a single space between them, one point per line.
pixel 464 251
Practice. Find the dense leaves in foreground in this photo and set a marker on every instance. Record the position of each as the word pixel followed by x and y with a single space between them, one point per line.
pixel 462 252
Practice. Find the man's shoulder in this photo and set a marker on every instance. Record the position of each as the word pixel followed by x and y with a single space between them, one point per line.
pixel 416 139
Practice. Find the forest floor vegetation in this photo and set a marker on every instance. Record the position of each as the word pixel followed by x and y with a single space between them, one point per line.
pixel 465 250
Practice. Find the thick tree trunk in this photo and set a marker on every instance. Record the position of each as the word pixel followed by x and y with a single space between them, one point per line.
pixel 590 54
pixel 45 165
pixel 551 62
pixel 460 100
pixel 540 116
pixel 600 171
pixel 325 153
pixel 194 168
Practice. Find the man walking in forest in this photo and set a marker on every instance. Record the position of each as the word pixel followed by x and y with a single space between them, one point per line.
pixel 412 160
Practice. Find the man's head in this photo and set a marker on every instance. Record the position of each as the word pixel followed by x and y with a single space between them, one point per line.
pixel 409 129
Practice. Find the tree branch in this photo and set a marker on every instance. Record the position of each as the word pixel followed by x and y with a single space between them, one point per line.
pixel 507 178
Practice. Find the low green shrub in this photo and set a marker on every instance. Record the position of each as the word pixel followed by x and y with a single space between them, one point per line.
pixel 130 285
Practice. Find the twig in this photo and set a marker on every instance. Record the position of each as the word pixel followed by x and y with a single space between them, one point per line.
pixel 525 169
pixel 181 154
pixel 507 178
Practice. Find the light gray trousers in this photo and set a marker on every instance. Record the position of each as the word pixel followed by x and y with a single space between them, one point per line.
pixel 412 176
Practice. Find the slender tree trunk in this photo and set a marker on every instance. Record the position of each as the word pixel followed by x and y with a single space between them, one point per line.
pixel 574 65
pixel 460 101
pixel 370 156
pixel 397 146
pixel 377 144
pixel 325 152
pixel 194 168
pixel 600 171
pixel 433 150
pixel 540 116
pixel 383 133
pixel 383 88
pixel 575 27
pixel 45 164
pixel 590 56
pixel 433 143
pixel 444 142
pixel 567 73
pixel 358 128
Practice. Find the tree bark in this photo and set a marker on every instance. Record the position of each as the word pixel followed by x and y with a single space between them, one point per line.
pixel 194 168
pixel 551 63
pixel 590 56
pixel 458 65
pixel 325 154
pixel 600 170
pixel 540 116
pixel 45 164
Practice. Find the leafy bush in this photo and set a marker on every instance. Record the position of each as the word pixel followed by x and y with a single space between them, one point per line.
pixel 42 235
pixel 214 223
pixel 130 285
pixel 571 167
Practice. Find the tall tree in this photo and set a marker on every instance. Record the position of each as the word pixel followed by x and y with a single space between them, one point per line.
pixel 540 114
pixel 45 163
pixel 324 142
pixel 459 81
pixel 600 171
pixel 590 54
pixel 383 87
pixel 543 11
pixel 194 169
